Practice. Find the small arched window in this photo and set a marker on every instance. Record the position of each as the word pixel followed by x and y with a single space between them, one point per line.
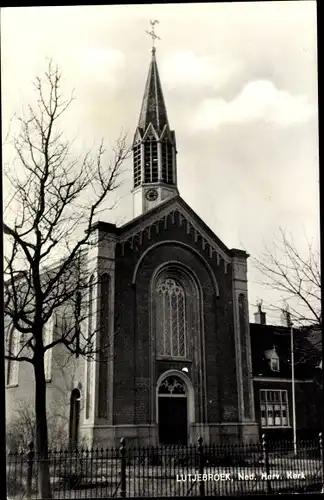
pixel 171 319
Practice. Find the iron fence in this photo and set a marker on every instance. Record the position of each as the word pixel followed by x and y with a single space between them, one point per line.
pixel 197 470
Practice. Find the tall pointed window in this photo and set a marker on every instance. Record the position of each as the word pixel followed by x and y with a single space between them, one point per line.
pixel 171 319
pixel 167 163
pixel 150 160
pixel 13 350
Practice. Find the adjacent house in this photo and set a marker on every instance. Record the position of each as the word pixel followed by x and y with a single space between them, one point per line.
pixel 272 378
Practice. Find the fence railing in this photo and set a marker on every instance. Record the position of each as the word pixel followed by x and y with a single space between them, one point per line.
pixel 197 470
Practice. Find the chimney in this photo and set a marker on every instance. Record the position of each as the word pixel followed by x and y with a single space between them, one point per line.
pixel 260 316
pixel 285 318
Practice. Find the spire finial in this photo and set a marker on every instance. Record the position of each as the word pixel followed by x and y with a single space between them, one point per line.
pixel 153 35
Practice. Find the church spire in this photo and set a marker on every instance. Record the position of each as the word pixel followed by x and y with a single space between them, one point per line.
pixel 153 106
pixel 154 146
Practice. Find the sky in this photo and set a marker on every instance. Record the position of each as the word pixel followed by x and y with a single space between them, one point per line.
pixel 240 86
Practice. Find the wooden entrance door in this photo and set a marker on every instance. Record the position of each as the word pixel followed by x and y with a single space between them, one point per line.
pixel 173 421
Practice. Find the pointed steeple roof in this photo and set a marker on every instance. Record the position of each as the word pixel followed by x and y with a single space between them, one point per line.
pixel 153 106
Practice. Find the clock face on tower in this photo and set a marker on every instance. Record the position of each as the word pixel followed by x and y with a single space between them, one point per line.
pixel 151 194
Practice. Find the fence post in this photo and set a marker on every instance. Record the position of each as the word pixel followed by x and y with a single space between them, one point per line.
pixel 322 457
pixel 201 467
pixel 30 461
pixel 123 468
pixel 266 461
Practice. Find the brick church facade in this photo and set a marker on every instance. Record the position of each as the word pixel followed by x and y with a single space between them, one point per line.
pixel 172 301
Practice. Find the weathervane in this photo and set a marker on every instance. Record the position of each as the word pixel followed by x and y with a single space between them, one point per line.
pixel 152 34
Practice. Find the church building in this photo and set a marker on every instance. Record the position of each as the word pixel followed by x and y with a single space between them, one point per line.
pixel 171 301
pixel 175 300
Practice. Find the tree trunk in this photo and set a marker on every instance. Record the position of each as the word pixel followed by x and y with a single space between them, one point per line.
pixel 44 485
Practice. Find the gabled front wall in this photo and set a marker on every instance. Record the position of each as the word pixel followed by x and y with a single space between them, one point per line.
pixel 136 370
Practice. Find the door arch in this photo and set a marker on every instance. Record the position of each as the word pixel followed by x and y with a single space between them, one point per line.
pixel 174 407
pixel 74 419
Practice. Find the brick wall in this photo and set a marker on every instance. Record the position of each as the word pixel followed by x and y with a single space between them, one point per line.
pixel 134 383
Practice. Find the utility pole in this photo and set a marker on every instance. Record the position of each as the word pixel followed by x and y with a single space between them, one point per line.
pixel 293 392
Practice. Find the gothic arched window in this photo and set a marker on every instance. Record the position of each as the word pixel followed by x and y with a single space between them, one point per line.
pixel 171 319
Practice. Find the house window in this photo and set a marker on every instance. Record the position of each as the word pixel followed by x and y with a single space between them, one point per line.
pixel 274 363
pixel 274 408
pixel 171 319
pixel 273 359
pixel 13 365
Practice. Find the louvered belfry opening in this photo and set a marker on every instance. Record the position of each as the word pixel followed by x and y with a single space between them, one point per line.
pixel 167 162
pixel 137 165
pixel 154 146
pixel 151 165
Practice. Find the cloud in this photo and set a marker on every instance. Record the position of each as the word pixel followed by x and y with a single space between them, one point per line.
pixel 97 63
pixel 259 100
pixel 186 69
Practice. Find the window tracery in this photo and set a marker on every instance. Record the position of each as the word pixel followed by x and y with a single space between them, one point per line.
pixel 171 318
pixel 172 385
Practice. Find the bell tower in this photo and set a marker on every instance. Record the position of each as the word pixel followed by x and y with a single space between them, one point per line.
pixel 154 146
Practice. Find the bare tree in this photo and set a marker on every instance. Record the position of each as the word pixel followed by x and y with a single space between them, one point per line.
pixel 296 277
pixel 46 273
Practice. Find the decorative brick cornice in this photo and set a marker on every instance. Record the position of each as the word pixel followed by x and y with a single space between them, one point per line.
pixel 151 225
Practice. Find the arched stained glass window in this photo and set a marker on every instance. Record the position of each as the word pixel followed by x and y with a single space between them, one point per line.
pixel 171 325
